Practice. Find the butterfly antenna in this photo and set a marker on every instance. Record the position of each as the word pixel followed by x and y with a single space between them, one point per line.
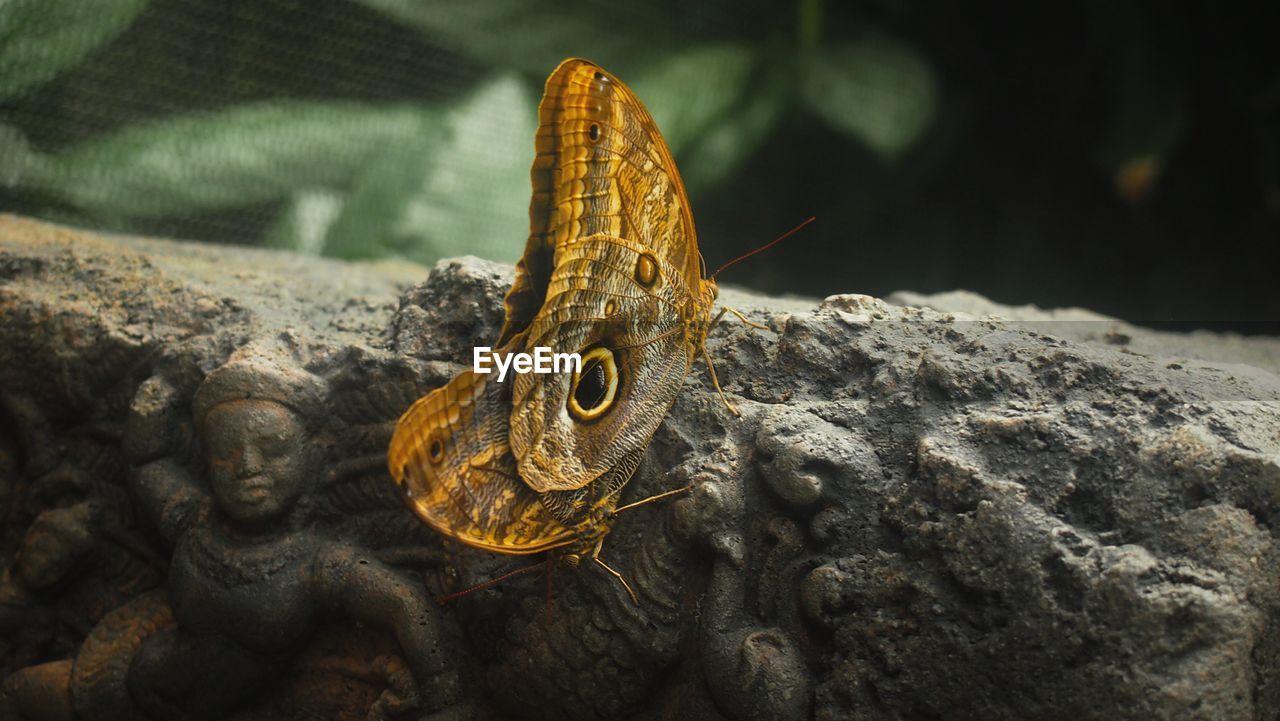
pixel 652 499
pixel 490 583
pixel 764 247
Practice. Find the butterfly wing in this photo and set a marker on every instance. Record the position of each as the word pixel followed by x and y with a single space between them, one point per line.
pixel 451 459
pixel 612 231
pixel 596 305
pixel 601 168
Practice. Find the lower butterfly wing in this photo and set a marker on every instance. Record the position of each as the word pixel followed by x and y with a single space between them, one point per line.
pixel 452 462
pixel 624 310
pixel 591 506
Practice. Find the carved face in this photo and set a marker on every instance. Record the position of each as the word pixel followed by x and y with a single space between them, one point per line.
pixel 257 458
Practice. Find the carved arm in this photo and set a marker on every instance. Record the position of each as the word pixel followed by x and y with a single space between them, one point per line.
pixel 355 582
pixel 167 494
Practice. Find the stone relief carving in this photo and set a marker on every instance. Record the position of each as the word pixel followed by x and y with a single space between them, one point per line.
pixel 919 514
pixel 227 478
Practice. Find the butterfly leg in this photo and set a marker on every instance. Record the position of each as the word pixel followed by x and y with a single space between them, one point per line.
pixel 716 382
pixel 745 319
pixel 738 313
pixel 715 321
pixel 595 557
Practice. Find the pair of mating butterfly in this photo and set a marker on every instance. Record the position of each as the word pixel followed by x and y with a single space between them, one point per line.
pixel 612 271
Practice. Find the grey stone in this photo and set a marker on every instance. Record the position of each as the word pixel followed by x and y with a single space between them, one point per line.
pixel 923 512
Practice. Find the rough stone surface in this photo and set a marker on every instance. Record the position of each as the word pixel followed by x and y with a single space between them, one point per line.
pixel 920 514
pixel 1086 326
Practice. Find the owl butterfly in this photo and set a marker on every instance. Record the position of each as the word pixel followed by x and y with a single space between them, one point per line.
pixel 612 271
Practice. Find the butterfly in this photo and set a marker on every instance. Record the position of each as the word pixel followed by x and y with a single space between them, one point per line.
pixel 612 271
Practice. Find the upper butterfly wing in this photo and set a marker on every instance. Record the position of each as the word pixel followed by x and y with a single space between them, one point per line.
pixel 610 221
pixel 601 168
pixel 451 459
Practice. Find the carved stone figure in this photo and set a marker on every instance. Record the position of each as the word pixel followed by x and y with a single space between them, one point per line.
pixel 250 576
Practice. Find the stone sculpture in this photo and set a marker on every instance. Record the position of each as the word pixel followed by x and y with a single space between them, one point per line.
pixel 920 513
pixel 250 576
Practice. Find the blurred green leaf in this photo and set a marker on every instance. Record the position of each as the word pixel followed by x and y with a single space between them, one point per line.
pixel 41 38
pixel 462 190
pixel 535 35
pixel 304 222
pixel 689 93
pixel 877 89
pixel 371 220
pixel 17 158
pixel 716 130
pixel 251 154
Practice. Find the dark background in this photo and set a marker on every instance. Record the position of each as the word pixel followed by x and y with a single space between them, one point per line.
pixel 1123 157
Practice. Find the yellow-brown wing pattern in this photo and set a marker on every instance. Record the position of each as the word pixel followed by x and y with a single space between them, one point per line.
pixel 601 168
pixel 450 457
pixel 595 301
pixel 616 257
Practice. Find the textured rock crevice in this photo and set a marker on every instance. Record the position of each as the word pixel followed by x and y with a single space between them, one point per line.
pixel 925 510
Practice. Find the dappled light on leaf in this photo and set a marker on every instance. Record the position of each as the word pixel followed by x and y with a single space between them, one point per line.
pixel 876 89
pixel 473 197
pixel 304 222
pixel 236 157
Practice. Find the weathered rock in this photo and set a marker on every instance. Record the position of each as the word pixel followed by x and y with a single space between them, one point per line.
pixel 920 514
pixel 1086 326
